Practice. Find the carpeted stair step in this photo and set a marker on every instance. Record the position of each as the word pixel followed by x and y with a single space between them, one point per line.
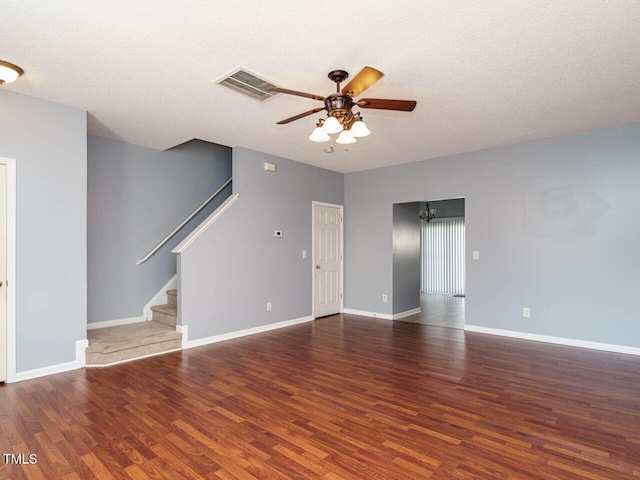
pixel 108 346
pixel 167 314
pixel 172 297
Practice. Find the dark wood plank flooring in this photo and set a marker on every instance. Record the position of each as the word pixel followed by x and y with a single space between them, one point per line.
pixel 342 397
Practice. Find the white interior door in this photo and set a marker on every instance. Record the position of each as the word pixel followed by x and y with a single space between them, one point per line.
pixel 3 273
pixel 327 260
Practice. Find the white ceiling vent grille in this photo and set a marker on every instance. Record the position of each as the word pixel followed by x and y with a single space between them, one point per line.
pixel 247 83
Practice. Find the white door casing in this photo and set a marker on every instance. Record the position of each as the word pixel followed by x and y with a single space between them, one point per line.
pixel 7 269
pixel 327 259
pixel 3 272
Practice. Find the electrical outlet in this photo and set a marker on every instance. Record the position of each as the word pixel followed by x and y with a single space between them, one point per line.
pixel 476 255
pixel 526 312
pixel 268 306
pixel 385 298
pixel 304 254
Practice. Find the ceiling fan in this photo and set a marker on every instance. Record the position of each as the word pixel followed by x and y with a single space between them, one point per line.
pixel 339 105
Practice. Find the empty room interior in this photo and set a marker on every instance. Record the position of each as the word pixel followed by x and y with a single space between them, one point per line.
pixel 264 240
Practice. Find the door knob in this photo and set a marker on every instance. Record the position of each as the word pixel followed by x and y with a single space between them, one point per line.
pixel 317 267
pixel 0 283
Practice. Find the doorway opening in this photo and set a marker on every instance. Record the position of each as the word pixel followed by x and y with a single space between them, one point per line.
pixel 442 264
pixel 436 282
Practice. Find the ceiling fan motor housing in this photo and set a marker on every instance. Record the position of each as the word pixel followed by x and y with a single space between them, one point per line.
pixel 339 105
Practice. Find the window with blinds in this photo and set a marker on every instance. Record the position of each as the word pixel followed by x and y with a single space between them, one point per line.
pixel 442 256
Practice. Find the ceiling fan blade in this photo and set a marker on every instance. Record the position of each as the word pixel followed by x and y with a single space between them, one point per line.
pixel 301 115
pixel 385 104
pixel 299 94
pixel 363 80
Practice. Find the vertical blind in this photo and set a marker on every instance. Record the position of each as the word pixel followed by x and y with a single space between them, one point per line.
pixel 442 252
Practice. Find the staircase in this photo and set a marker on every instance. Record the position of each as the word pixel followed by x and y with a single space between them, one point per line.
pixel 167 314
pixel 112 345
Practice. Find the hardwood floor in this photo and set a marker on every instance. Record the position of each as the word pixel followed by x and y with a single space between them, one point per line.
pixel 342 397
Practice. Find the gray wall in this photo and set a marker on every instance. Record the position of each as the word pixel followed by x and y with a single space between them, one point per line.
pixel 49 143
pixel 446 208
pixel 137 196
pixel 555 222
pixel 406 257
pixel 232 270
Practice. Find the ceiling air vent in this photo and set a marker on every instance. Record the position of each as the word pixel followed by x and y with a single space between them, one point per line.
pixel 247 83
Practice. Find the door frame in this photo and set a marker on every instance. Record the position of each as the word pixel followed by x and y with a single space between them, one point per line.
pixel 313 253
pixel 10 163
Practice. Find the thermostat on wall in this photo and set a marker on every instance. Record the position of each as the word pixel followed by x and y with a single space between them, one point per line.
pixel 277 233
pixel 269 167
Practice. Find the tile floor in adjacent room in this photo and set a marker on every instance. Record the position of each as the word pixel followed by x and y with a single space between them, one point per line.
pixel 442 310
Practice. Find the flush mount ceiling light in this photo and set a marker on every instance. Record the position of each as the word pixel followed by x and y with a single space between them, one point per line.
pixel 340 118
pixel 9 72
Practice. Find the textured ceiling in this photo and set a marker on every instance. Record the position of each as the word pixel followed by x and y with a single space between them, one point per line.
pixel 484 73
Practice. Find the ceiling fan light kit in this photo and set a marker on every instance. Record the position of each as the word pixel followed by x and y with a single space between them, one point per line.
pixel 332 125
pixel 319 134
pixel 346 138
pixel 340 117
pixel 359 129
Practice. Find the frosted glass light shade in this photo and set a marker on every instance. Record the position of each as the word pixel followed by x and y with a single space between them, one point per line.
pixel 332 125
pixel 346 138
pixel 359 129
pixel 9 72
pixel 319 135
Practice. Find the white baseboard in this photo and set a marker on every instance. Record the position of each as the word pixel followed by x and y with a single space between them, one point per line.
pixel 160 298
pixel 78 363
pixel 408 313
pixel 384 316
pixel 570 342
pixel 240 333
pixel 115 323
pixel 184 330
pixel 81 351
